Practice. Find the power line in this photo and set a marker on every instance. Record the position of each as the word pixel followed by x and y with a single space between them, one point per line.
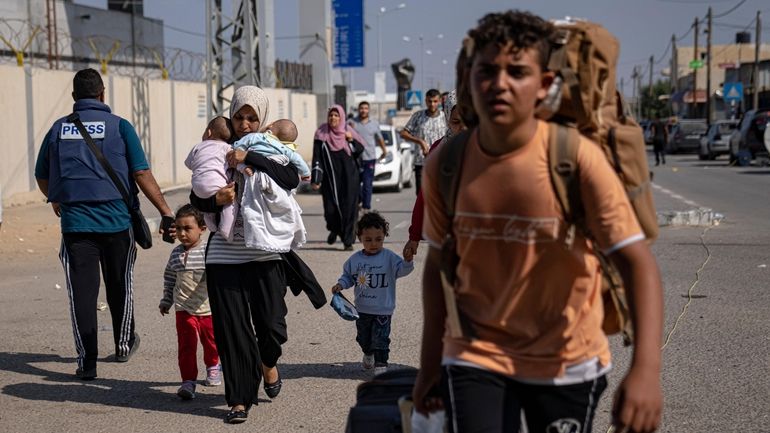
pixel 694 2
pixel 177 29
pixel 727 12
pixel 746 27
pixel 663 56
pixel 685 35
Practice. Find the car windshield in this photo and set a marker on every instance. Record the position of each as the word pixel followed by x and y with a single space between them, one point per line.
pixel 387 137
pixel 726 128
pixel 692 128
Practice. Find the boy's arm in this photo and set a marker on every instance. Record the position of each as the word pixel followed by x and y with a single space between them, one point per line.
pixel 169 281
pixel 434 316
pixel 639 400
pixel 296 159
pixel 403 267
pixel 346 280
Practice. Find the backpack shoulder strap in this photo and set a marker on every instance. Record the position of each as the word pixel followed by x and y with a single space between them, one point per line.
pixel 450 168
pixel 563 144
pixel 450 156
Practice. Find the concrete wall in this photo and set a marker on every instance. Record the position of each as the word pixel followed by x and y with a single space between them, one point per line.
pixel 31 99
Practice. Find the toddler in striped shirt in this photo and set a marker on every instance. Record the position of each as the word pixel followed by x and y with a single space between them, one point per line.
pixel 184 287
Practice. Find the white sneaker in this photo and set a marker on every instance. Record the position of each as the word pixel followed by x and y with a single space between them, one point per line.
pixel 368 361
pixel 213 376
pixel 379 369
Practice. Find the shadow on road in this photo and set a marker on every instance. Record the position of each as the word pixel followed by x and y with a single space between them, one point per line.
pixel 764 172
pixel 712 164
pixel 341 370
pixel 141 395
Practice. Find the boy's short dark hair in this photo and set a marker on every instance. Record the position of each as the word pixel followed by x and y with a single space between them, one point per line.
pixel 87 84
pixel 525 30
pixel 363 103
pixel 189 210
pixel 372 220
pixel 221 128
pixel 432 93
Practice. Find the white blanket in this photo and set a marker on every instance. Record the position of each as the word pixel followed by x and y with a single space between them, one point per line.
pixel 272 219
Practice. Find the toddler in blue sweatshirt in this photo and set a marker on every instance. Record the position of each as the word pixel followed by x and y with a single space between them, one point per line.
pixel 372 272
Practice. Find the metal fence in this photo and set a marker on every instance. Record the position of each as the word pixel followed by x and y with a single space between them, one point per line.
pixel 23 44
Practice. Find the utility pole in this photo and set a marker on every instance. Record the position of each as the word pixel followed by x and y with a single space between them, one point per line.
pixel 649 88
pixel 708 69
pixel 694 99
pixel 674 75
pixel 634 85
pixel 755 73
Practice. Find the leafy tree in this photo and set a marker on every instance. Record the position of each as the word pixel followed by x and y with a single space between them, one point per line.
pixel 653 106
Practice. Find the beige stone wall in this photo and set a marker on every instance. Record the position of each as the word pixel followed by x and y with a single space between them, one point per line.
pixel 176 112
pixel 724 54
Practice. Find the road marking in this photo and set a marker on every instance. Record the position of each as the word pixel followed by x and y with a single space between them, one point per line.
pixel 676 196
pixel 402 224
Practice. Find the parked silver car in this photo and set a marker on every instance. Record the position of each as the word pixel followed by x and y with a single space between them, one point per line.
pixel 717 140
pixel 685 135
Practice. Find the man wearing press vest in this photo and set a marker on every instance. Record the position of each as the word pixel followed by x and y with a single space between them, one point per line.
pixel 95 219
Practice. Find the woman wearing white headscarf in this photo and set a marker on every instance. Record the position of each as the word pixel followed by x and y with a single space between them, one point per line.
pixel 246 286
pixel 454 126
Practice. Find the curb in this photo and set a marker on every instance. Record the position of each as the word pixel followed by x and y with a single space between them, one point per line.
pixel 690 218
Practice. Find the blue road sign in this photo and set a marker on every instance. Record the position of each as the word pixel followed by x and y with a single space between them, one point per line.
pixel 732 91
pixel 413 98
pixel 348 33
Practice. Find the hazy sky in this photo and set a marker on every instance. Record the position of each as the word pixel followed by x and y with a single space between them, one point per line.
pixel 644 28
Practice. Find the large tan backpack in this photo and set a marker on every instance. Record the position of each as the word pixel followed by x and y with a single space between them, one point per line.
pixel 582 101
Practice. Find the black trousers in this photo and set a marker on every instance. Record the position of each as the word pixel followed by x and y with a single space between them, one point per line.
pixel 659 148
pixel 82 255
pixel 481 401
pixel 417 178
pixel 249 315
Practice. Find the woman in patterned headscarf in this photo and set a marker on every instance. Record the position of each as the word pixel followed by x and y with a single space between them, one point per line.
pixel 454 126
pixel 335 172
pixel 246 286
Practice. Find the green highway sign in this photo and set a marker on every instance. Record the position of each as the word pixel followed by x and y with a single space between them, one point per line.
pixel 696 64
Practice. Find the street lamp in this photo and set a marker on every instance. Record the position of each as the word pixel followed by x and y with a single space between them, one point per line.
pixel 423 52
pixel 383 10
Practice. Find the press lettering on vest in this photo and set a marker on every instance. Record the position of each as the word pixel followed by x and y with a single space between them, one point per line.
pixel 69 131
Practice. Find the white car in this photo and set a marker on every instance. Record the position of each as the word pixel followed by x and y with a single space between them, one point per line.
pixel 395 170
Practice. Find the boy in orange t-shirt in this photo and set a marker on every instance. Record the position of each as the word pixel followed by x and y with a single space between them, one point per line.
pixel 534 306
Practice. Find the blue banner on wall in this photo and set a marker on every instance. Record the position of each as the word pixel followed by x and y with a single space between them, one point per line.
pixel 348 33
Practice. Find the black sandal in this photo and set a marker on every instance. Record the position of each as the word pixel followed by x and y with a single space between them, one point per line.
pixel 236 416
pixel 273 389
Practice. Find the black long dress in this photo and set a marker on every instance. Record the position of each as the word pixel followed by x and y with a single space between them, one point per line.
pixel 337 172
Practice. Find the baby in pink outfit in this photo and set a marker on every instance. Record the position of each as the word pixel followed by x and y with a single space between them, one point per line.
pixel 210 171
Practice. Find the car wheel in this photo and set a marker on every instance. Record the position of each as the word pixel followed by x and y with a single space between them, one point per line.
pixel 397 186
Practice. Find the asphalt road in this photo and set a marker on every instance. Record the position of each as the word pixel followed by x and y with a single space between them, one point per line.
pixel 716 361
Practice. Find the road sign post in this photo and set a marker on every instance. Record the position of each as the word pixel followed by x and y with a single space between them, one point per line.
pixel 413 98
pixel 732 91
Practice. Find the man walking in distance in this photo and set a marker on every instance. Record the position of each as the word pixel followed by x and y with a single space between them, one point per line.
pixel 95 221
pixel 524 312
pixel 424 128
pixel 659 140
pixel 369 129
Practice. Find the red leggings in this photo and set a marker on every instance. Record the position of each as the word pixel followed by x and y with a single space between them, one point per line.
pixel 189 329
